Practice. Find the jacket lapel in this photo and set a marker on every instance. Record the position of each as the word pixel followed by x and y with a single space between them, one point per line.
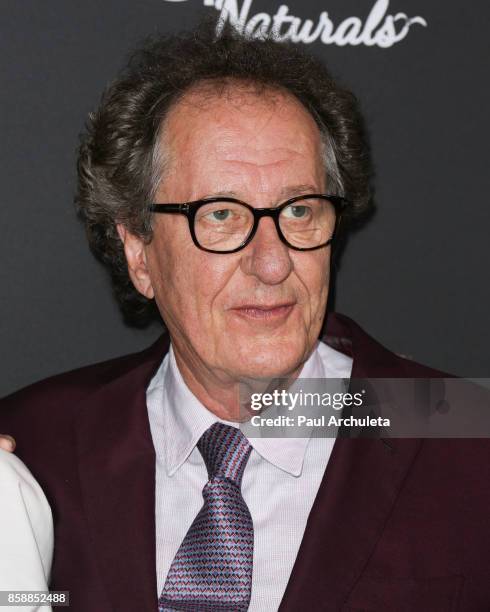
pixel 360 485
pixel 117 474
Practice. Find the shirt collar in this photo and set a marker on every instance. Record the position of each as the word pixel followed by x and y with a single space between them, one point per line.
pixel 185 419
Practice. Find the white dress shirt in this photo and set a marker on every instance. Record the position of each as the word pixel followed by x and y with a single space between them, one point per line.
pixel 26 532
pixel 279 484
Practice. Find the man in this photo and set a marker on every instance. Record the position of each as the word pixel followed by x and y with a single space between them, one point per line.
pixel 212 182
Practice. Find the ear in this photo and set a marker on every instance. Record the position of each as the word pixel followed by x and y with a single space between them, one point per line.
pixel 134 249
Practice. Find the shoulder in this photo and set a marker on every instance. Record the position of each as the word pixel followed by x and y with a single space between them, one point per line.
pixel 413 369
pixel 42 417
pixel 62 393
pixel 71 385
pixel 371 358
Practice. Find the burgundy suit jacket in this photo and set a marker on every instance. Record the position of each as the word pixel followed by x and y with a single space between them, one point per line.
pixel 404 526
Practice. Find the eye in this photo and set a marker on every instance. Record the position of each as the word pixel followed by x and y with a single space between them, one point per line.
pixel 217 215
pixel 299 211
pixel 220 215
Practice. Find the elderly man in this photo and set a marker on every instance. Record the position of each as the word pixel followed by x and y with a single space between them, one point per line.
pixel 213 181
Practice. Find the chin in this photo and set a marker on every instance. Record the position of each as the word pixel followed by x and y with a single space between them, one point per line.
pixel 268 359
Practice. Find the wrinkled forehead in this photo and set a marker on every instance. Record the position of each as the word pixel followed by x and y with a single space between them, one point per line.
pixel 230 117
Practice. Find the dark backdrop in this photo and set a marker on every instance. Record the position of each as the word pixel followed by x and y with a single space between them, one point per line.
pixel 416 277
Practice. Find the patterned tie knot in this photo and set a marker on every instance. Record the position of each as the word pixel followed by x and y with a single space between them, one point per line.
pixel 225 451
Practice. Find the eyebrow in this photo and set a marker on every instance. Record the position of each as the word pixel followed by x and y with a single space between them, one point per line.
pixel 286 192
pixel 294 190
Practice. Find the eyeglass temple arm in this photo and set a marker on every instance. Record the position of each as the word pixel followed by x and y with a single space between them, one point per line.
pixel 170 208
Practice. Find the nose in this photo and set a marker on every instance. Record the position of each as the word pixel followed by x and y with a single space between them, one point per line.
pixel 266 257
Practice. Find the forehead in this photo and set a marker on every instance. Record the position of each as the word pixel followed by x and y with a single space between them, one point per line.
pixel 237 127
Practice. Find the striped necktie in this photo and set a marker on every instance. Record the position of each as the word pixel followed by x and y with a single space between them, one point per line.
pixel 212 570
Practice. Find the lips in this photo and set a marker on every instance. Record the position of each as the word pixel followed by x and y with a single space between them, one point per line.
pixel 264 311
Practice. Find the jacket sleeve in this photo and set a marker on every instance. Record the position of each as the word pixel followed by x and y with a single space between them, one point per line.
pixel 26 531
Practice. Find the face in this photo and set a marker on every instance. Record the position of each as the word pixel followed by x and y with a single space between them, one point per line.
pixel 257 312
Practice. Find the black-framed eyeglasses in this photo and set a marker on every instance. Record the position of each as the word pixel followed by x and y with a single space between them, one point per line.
pixel 226 225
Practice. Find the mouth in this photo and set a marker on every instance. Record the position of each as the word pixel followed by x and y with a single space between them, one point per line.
pixel 260 312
